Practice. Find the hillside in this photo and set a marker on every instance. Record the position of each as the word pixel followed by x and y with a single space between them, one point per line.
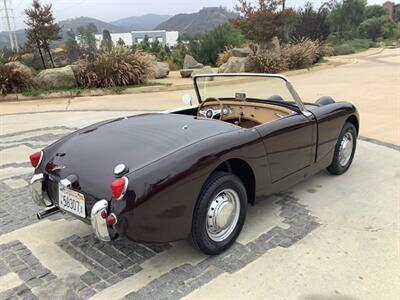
pixel 200 22
pixel 65 26
pixel 145 22
pixel 83 21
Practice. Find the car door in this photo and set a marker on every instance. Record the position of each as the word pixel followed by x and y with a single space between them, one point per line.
pixel 290 144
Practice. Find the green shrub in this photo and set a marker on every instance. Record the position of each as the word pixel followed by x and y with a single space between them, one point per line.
pixel 214 42
pixel 359 44
pixel 376 27
pixel 343 49
pixel 120 67
pixel 13 80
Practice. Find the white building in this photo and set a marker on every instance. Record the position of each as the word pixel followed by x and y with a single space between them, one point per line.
pixel 169 38
pixel 126 37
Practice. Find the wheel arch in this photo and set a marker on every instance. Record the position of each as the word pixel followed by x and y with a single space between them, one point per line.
pixel 243 171
pixel 354 120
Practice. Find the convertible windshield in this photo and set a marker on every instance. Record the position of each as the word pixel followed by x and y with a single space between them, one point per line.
pixel 244 87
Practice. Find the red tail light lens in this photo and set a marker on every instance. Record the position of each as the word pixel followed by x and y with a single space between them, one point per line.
pixel 111 219
pixel 36 158
pixel 118 188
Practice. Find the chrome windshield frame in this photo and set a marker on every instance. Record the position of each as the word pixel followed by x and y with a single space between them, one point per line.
pixel 289 86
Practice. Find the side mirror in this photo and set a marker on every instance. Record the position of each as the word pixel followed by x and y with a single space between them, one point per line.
pixel 187 99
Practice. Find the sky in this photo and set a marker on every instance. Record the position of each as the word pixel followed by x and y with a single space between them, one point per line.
pixel 110 10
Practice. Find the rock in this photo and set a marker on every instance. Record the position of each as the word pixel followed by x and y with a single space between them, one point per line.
pixel 21 67
pixel 191 63
pixel 161 70
pixel 235 65
pixel 241 52
pixel 205 70
pixel 186 73
pixel 57 77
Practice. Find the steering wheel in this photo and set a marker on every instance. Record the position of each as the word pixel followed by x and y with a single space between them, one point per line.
pixel 210 113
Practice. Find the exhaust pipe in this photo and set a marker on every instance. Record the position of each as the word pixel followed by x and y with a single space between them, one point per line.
pixel 47 213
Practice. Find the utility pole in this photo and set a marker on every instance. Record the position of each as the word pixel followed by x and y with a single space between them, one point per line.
pixel 8 14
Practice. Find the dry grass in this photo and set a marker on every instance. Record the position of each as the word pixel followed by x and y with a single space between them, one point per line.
pixel 224 56
pixel 120 67
pixel 172 65
pixel 267 61
pixel 301 54
pixel 13 80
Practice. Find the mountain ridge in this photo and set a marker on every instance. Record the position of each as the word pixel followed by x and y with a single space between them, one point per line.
pixel 190 23
pixel 198 22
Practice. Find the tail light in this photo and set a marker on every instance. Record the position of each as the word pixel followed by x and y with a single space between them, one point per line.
pixel 111 219
pixel 36 158
pixel 118 188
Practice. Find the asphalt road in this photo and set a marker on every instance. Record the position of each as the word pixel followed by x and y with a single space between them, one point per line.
pixel 327 238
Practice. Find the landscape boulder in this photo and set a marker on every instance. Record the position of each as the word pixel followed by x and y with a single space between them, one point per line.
pixel 57 78
pixel 241 52
pixel 161 70
pixel 186 73
pixel 22 68
pixel 205 70
pixel 190 63
pixel 235 65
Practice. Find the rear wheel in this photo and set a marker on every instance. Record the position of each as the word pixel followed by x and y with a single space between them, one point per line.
pixel 219 214
pixel 344 150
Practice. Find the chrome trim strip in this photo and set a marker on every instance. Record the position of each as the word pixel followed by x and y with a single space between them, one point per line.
pixel 99 224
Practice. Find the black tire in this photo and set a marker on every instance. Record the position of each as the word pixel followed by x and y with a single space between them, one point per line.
pixel 217 182
pixel 336 168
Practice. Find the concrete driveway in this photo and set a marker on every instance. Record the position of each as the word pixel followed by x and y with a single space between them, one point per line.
pixel 327 238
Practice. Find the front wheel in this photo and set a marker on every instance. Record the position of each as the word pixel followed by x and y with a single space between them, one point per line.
pixel 344 150
pixel 219 213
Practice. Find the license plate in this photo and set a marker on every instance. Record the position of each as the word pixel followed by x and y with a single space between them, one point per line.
pixel 71 201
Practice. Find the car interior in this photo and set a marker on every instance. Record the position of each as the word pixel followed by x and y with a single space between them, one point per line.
pixel 246 114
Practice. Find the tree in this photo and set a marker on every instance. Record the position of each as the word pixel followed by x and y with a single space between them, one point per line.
pixel 106 42
pixel 71 46
pixel 120 42
pixel 312 24
pixel 397 16
pixel 346 16
pixel 87 38
pixel 260 23
pixel 374 11
pixel 376 27
pixel 42 29
pixel 215 41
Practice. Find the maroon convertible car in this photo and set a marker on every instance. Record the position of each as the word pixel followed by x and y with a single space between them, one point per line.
pixel 191 172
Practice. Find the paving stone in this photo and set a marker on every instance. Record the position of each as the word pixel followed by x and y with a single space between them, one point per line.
pixel 90 278
pixel 16 183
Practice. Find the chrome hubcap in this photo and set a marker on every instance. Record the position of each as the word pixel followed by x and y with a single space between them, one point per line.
pixel 223 215
pixel 346 149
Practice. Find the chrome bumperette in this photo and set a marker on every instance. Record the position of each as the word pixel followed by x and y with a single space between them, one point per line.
pixel 39 195
pixel 99 224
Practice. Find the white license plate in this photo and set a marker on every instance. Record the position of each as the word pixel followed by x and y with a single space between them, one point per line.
pixel 71 201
